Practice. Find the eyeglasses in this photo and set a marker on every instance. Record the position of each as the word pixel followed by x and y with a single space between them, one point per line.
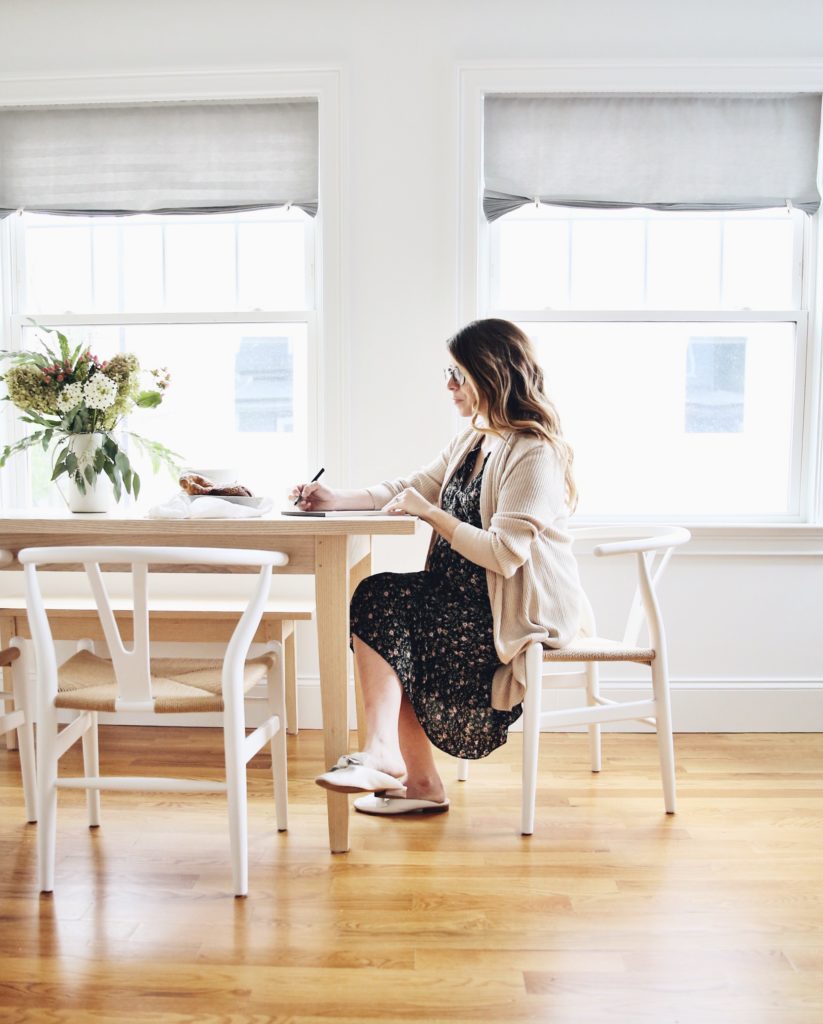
pixel 454 373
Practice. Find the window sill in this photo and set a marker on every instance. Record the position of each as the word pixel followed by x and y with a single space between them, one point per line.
pixel 754 540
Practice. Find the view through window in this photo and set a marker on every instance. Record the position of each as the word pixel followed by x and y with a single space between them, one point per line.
pixel 225 302
pixel 673 344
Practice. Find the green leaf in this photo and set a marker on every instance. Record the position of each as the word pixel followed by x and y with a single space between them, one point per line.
pixel 135 485
pixel 99 460
pixel 59 467
pixel 149 399
pixel 65 351
pixel 71 462
pixel 81 483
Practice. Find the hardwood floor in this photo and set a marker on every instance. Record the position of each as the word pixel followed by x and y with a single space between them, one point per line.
pixel 611 912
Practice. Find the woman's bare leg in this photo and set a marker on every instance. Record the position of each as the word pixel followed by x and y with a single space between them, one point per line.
pixel 394 738
pixel 423 781
pixel 382 692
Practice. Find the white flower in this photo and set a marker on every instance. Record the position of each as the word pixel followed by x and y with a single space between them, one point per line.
pixel 99 391
pixel 70 397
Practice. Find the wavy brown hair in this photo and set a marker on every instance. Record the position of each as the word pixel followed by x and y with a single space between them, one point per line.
pixel 500 362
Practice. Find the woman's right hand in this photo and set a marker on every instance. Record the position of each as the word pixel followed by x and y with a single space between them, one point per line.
pixel 314 497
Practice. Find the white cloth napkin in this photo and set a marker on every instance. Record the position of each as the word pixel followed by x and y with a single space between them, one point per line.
pixel 181 506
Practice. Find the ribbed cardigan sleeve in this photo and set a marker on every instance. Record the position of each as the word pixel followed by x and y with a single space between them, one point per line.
pixel 529 500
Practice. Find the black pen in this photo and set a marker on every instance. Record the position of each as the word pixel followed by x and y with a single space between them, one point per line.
pixel 315 478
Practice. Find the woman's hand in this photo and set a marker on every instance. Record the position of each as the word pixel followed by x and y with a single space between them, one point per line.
pixel 314 497
pixel 409 502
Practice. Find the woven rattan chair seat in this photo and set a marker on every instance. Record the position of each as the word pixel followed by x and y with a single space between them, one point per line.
pixel 596 648
pixel 86 683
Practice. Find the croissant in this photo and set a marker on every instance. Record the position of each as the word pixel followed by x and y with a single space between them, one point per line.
pixel 193 483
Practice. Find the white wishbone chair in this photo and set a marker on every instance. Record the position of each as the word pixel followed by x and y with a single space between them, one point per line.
pixel 16 713
pixel 131 681
pixel 576 666
pixel 20 718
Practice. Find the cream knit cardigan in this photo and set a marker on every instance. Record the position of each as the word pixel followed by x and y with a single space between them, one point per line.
pixel 524 547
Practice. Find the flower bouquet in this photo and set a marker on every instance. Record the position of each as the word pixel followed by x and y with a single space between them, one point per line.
pixel 75 401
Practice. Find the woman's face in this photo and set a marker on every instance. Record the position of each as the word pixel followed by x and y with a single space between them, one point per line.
pixel 464 394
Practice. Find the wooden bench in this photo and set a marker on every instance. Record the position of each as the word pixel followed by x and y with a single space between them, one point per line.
pixel 188 620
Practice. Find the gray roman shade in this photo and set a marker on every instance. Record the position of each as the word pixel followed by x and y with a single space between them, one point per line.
pixel 159 158
pixel 664 152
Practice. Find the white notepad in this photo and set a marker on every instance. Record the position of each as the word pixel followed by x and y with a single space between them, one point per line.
pixel 353 513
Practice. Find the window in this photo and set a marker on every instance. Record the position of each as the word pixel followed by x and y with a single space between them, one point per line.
pixel 675 348
pixel 224 301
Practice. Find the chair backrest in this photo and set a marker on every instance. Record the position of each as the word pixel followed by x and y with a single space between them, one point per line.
pixel 131 664
pixel 652 547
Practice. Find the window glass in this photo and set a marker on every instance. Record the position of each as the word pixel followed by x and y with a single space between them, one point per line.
pixel 677 418
pixel 607 264
pixel 683 269
pixel 58 266
pixel 757 264
pixel 238 399
pixel 533 267
pixel 558 258
pixel 228 262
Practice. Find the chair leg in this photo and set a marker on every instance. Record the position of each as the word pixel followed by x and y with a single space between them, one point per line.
pixel 233 733
pixel 47 795
pixel 531 735
pixel 665 740
pixel 277 697
pixel 592 692
pixel 6 707
pixel 91 769
pixel 25 737
pixel 462 769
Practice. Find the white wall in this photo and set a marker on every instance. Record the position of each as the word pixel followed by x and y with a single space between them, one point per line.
pixel 731 616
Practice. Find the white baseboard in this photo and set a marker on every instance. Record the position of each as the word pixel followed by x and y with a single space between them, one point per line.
pixel 723 705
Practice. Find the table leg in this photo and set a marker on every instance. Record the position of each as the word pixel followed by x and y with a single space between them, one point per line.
pixel 331 587
pixel 358 572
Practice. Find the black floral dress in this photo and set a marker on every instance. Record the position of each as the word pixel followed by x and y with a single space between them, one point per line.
pixel 435 629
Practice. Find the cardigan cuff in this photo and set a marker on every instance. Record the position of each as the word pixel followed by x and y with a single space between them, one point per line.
pixel 475 545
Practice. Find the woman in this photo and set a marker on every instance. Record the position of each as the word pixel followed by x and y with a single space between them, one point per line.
pixel 440 653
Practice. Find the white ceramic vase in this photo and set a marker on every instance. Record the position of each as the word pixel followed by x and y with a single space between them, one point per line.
pixel 98 496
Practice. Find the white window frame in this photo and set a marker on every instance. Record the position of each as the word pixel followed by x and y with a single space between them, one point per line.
pixel 327 357
pixel 474 232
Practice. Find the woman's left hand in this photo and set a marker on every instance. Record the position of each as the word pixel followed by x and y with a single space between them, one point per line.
pixel 408 502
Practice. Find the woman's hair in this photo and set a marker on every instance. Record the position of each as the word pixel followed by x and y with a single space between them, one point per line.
pixel 500 362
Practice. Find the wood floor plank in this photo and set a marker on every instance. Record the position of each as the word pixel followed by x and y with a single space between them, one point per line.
pixel 612 913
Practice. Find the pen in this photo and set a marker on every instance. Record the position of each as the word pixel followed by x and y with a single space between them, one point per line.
pixel 316 477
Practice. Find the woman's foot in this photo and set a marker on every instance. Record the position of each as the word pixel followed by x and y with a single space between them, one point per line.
pixel 389 805
pixel 426 788
pixel 361 773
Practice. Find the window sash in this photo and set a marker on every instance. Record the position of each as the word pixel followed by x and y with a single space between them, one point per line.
pixel 15 485
pixel 801 321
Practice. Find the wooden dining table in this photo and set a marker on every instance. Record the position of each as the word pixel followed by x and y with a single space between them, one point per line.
pixel 336 551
